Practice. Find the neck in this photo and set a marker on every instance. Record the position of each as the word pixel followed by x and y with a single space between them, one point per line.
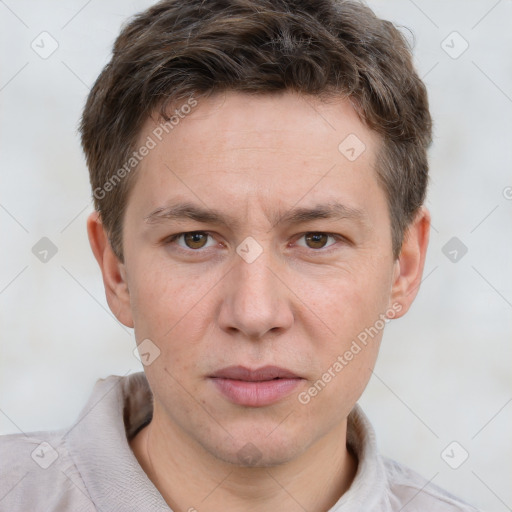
pixel 189 478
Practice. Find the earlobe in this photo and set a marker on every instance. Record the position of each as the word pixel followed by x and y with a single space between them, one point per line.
pixel 112 270
pixel 408 269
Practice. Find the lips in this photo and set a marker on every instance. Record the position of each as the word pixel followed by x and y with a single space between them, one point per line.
pixel 261 374
pixel 255 388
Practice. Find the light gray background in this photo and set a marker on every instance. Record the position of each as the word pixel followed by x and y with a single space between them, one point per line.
pixel 444 370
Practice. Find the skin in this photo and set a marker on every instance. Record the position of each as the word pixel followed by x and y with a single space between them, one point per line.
pixel 299 305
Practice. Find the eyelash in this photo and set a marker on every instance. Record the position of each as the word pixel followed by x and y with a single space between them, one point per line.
pixel 338 238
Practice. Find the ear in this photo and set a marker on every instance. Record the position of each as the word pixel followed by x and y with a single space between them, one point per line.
pixel 409 265
pixel 113 270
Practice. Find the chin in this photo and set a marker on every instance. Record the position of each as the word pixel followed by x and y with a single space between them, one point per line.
pixel 259 450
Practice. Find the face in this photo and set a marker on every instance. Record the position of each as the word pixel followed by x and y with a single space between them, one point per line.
pixel 258 262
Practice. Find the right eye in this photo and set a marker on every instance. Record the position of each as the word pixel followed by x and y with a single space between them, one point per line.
pixel 193 240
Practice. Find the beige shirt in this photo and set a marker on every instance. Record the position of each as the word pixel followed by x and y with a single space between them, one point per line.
pixel 90 466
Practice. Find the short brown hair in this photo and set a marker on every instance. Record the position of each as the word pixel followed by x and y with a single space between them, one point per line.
pixel 177 50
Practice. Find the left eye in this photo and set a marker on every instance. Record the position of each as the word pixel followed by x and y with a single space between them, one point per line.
pixel 317 240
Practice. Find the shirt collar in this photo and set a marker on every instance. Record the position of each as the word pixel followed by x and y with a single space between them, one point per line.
pixel 99 446
pixel 369 490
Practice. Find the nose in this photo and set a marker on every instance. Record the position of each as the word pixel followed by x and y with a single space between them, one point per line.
pixel 256 301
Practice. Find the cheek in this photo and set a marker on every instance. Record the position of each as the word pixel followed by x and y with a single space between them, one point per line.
pixel 347 300
pixel 350 308
pixel 174 311
pixel 353 310
pixel 163 297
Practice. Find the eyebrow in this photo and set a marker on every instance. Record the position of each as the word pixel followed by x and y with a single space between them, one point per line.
pixel 296 215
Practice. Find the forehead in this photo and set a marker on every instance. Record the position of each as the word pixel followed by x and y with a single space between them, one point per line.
pixel 232 147
pixel 231 118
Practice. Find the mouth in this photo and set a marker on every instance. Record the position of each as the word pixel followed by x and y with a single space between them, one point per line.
pixel 255 388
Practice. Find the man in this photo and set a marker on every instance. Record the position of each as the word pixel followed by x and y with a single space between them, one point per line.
pixel 259 171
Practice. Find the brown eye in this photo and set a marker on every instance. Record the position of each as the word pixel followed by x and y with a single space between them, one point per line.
pixel 316 240
pixel 195 240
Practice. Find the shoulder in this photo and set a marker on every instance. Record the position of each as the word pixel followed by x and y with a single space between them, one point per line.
pixel 411 492
pixel 37 473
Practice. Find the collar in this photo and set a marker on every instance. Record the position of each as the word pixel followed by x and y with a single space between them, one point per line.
pixel 98 444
